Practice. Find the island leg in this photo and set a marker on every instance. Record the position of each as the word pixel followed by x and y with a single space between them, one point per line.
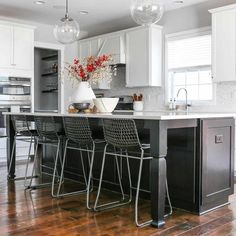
pixel 158 142
pixel 10 141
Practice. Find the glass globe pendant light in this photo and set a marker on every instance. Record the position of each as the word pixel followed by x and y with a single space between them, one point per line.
pixel 67 30
pixel 146 12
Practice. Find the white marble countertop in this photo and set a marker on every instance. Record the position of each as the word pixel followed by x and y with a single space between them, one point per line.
pixel 138 115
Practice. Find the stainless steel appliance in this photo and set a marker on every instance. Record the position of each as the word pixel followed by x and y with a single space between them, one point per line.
pixel 15 95
pixel 15 91
pixel 125 103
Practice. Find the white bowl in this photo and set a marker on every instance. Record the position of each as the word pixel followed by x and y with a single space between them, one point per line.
pixel 105 104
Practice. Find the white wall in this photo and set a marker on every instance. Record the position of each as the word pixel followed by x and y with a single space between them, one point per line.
pixel 191 17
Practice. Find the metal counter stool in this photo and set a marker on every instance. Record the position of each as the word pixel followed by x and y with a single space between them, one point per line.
pixel 122 135
pixel 23 132
pixel 49 133
pixel 79 137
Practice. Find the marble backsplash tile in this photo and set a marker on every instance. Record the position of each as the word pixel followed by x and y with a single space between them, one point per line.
pixel 154 97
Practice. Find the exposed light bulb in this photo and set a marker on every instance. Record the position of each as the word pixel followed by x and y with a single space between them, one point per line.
pixel 67 30
pixel 146 12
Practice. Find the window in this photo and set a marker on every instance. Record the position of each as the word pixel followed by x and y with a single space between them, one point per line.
pixel 189 66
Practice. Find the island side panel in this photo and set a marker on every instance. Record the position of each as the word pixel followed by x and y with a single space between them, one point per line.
pixel 217 162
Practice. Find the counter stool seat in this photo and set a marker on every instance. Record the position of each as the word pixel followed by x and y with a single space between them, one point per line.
pixel 78 136
pixel 122 135
pixel 23 132
pixel 49 133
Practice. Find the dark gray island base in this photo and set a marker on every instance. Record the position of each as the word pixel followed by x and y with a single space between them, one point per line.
pixel 196 154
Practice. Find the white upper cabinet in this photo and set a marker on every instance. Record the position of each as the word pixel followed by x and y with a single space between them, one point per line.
pixel 6 47
pixel 17 50
pixel 139 48
pixel 88 48
pixel 23 48
pixel 224 43
pixel 113 44
pixel 144 57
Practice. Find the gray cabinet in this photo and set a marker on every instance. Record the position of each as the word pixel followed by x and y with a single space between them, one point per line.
pixel 217 160
pixel 200 165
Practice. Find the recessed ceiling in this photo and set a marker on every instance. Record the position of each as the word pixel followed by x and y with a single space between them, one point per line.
pixel 103 14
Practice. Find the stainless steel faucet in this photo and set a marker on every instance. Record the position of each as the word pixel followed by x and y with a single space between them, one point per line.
pixel 186 98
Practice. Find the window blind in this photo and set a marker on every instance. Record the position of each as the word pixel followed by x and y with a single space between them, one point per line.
pixel 189 52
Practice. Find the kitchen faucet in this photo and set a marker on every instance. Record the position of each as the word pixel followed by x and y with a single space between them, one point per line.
pixel 186 98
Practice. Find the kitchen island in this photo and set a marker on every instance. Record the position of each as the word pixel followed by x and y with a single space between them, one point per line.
pixel 194 150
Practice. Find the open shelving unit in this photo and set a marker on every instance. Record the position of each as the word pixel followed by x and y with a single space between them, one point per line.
pixel 46 79
pixel 49 73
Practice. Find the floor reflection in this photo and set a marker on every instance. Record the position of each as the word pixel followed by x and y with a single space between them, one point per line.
pixel 36 213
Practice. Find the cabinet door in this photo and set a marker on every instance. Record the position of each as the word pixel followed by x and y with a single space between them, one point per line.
pixel 23 48
pixel 224 46
pixel 137 59
pixel 5 46
pixel 217 160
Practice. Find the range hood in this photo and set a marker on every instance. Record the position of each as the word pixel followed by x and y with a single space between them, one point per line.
pixel 114 45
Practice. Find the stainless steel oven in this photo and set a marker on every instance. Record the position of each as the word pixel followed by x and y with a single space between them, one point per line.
pixel 15 93
pixel 3 120
pixel 15 90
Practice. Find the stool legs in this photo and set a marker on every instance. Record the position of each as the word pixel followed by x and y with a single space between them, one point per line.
pixel 27 163
pixel 28 160
pixel 34 164
pixel 115 203
pixel 12 153
pixel 168 198
pixel 83 169
pixel 90 178
pixel 61 176
pixel 129 176
pixel 137 193
pixel 55 169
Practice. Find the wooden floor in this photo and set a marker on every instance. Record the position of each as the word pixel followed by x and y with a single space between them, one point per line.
pixel 36 213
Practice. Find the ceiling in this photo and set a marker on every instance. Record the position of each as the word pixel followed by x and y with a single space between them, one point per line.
pixel 104 15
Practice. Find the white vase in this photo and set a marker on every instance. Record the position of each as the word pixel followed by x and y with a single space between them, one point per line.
pixel 83 93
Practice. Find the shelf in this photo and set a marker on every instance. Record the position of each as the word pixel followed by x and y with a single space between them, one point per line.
pixel 50 58
pixel 50 91
pixel 49 74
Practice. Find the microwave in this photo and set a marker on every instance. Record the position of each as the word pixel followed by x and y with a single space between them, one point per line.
pixel 15 86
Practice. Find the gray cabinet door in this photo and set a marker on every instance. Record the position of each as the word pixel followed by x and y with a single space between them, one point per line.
pixel 217 159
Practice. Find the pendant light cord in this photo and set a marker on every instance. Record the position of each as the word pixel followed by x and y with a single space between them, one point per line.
pixel 67 11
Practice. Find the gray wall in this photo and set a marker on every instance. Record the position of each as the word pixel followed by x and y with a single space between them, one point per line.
pixel 191 17
pixel 37 77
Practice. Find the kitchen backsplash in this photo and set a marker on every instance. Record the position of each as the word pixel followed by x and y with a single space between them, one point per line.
pixel 154 97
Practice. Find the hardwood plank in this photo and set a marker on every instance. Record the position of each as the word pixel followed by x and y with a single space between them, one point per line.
pixel 36 213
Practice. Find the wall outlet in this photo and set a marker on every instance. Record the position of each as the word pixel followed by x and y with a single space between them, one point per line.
pixel 219 138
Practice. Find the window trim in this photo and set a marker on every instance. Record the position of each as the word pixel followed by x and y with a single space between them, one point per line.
pixel 183 35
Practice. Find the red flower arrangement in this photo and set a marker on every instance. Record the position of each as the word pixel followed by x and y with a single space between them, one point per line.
pixel 91 69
